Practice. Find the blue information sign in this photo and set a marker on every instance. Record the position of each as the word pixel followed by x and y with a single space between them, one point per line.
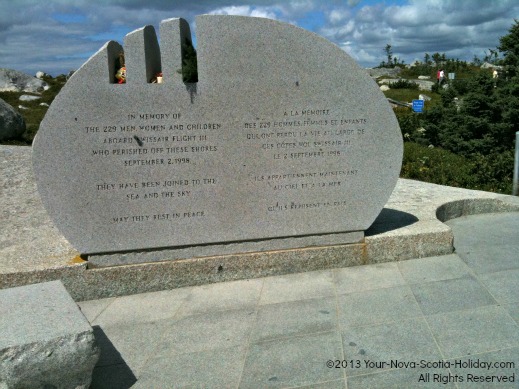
pixel 418 105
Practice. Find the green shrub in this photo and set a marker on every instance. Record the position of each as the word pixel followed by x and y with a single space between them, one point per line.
pixel 404 84
pixel 494 172
pixel 436 165
pixel 491 172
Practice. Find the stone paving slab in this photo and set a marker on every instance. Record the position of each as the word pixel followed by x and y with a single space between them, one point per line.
pixel 410 226
pixel 513 310
pixel 451 295
pixel 293 287
pixel 475 245
pixel 207 332
pixel 390 304
pixel 243 294
pixel 110 377
pixel 404 340
pixel 130 345
pixel 474 331
pixel 292 362
pixel 503 285
pixel 140 309
pixel 430 269
pixel 293 318
pixel 220 368
pixel 365 278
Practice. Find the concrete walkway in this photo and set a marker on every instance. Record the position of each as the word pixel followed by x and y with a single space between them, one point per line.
pixel 416 323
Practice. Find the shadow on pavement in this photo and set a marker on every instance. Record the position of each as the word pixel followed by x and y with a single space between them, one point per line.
pixel 389 220
pixel 111 371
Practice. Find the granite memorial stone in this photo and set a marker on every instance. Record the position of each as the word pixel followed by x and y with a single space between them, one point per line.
pixel 283 137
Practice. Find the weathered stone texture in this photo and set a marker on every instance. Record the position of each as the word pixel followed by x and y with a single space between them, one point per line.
pixel 12 124
pixel 45 341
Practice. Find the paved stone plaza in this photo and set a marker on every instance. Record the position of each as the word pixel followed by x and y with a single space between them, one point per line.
pixel 280 331
pixel 255 325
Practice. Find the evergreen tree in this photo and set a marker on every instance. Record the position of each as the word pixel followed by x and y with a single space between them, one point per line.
pixel 427 59
pixel 389 52
pixel 437 58
pixel 509 46
pixel 189 63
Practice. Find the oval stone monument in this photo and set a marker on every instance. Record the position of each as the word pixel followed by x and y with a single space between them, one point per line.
pixel 284 137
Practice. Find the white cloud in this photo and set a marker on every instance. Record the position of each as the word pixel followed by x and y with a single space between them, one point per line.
pixel 301 5
pixel 338 15
pixel 360 56
pixel 341 32
pixel 459 28
pixel 245 10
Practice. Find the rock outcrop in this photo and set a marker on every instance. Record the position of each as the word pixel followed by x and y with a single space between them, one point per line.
pixel 29 98
pixel 379 72
pixel 41 75
pixel 15 81
pixel 422 84
pixel 12 125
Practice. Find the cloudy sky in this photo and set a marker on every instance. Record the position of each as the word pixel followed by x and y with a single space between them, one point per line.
pixel 56 36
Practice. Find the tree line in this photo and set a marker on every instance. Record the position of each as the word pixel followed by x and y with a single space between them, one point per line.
pixel 473 128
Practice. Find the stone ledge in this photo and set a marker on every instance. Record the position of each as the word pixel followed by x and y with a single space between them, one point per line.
pixel 32 250
pixel 45 339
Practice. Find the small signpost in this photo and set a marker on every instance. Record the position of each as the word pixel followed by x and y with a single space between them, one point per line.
pixel 515 187
pixel 418 106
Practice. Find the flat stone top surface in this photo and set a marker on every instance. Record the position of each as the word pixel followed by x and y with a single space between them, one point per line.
pixel 38 312
pixel 284 135
pixel 29 240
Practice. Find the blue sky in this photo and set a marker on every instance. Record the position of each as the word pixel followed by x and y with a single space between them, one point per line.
pixel 56 36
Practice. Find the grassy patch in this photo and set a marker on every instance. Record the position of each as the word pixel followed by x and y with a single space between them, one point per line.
pixel 408 95
pixel 35 112
pixel 404 95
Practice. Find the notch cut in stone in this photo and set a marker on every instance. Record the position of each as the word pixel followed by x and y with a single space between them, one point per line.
pixel 142 54
pixel 175 40
pixel 144 59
